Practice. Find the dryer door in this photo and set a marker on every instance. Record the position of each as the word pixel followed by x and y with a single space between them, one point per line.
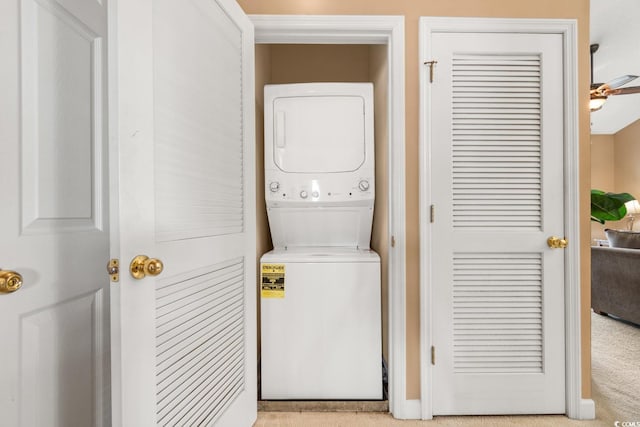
pixel 319 134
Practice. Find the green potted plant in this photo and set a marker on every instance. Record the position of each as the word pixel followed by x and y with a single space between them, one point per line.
pixel 608 206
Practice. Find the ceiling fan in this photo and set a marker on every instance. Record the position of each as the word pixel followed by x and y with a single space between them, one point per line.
pixel 601 91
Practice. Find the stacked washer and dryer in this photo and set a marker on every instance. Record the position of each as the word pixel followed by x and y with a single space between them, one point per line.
pixel 320 295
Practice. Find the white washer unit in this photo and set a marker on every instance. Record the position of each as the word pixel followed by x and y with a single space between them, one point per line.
pixel 322 340
pixel 321 328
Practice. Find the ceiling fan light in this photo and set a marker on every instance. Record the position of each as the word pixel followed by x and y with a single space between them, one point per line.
pixel 596 102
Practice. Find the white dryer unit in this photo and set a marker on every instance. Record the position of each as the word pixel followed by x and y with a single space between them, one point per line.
pixel 319 164
pixel 320 296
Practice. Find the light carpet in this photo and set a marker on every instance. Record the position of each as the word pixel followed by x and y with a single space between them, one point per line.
pixel 615 383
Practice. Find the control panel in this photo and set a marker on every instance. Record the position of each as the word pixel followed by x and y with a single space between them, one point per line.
pixel 319 190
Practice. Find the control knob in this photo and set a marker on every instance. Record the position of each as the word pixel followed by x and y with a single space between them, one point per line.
pixel 274 186
pixel 303 194
pixel 363 185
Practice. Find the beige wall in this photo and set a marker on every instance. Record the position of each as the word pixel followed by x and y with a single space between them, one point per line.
pixel 299 63
pixel 412 11
pixel 627 161
pixel 602 176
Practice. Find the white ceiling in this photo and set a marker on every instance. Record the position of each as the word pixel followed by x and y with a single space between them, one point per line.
pixel 615 26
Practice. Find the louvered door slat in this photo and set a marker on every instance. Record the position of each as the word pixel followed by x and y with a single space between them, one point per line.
pixel 198 319
pixel 495 71
pixel 192 405
pixel 182 377
pixel 502 315
pixel 502 96
pixel 198 127
pixel 171 352
pixel 532 91
pixel 200 343
pixel 497 315
pixel 487 135
pixel 172 394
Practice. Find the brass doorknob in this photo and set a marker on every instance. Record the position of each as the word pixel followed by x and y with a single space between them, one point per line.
pixel 10 281
pixel 557 243
pixel 142 265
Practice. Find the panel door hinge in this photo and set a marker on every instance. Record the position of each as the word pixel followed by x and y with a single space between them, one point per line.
pixel 393 241
pixel 113 268
pixel 432 213
pixel 433 355
pixel 431 64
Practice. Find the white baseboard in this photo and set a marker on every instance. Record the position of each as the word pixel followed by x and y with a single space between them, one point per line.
pixel 587 410
pixel 411 410
pixel 408 410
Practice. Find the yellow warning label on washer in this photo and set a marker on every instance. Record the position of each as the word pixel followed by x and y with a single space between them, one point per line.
pixel 272 279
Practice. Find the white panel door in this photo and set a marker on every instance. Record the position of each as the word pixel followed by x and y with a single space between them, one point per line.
pixel 497 188
pixel 184 342
pixel 53 220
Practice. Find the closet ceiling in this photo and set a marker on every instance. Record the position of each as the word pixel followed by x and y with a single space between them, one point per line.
pixel 614 26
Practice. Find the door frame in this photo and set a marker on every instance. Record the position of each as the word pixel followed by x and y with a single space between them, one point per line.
pixel 389 31
pixel 576 406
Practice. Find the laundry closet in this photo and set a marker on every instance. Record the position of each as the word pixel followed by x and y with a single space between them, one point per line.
pixel 277 64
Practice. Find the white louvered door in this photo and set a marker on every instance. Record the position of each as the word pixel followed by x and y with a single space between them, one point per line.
pixel 497 187
pixel 184 342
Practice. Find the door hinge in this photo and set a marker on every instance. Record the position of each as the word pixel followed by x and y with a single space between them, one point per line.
pixel 113 268
pixel 433 355
pixel 393 241
pixel 431 64
pixel 432 213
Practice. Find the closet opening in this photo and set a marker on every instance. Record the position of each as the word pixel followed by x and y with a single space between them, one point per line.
pixel 319 63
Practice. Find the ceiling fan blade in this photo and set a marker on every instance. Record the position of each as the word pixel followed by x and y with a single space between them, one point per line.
pixel 609 88
pixel 621 81
pixel 623 91
pixel 606 88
